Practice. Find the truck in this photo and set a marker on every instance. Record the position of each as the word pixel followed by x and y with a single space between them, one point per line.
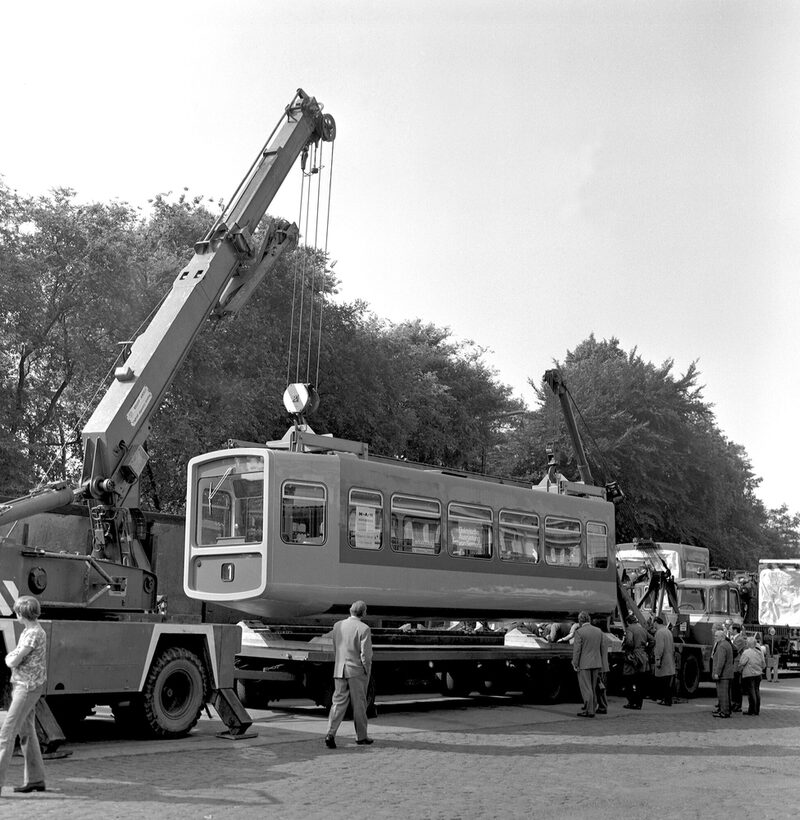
pixel 683 560
pixel 109 642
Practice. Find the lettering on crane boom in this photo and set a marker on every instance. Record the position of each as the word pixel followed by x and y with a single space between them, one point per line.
pixel 139 406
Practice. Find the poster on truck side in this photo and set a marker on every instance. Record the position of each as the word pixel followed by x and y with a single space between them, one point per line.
pixel 779 593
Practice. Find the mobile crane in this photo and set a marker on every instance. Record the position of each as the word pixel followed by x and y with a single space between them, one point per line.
pixel 108 644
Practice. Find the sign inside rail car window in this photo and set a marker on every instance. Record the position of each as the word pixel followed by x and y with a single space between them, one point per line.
pixel 365 519
pixel 368 534
pixel 470 530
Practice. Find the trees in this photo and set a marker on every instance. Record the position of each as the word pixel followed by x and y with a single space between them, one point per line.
pixel 60 262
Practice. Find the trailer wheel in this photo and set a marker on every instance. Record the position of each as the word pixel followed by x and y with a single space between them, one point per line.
pixel 70 713
pixel 174 693
pixel 253 694
pixel 689 678
pixel 457 683
pixel 544 682
pixel 491 679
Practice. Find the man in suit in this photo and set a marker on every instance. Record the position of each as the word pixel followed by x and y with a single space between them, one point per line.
pixel 722 671
pixel 352 642
pixel 587 661
pixel 634 668
pixel 601 693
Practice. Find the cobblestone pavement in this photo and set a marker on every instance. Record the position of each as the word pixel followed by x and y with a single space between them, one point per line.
pixel 494 758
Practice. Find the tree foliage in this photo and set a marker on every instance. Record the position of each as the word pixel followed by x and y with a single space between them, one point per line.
pixel 77 279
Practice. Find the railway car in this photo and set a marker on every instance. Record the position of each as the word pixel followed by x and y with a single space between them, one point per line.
pixel 305 529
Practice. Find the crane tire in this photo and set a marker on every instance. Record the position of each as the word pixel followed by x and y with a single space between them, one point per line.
pixel 174 693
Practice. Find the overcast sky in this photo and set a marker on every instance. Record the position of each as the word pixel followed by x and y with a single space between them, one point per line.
pixel 526 173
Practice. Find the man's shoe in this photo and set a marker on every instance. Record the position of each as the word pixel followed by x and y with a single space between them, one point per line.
pixel 630 706
pixel 330 742
pixel 584 714
pixel 601 711
pixel 38 786
pixel 719 715
pixel 365 742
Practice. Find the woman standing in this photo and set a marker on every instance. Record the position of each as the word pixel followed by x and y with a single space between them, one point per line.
pixel 751 663
pixel 28 664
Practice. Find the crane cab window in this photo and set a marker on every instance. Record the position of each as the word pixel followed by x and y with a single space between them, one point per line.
pixel 469 531
pixel 734 605
pixel 230 492
pixel 303 513
pixel 718 601
pixel 365 520
pixel 596 545
pixel 416 524
pixel 519 536
pixel 562 540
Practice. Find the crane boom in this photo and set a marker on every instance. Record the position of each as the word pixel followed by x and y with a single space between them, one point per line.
pixel 212 282
pixel 556 383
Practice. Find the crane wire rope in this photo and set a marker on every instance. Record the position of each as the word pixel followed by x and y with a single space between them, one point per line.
pixel 314 265
pixel 325 262
pixel 303 277
pixel 294 287
pixel 310 257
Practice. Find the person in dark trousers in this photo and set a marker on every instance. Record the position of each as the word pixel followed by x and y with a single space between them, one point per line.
pixel 352 642
pixel 28 664
pixel 751 664
pixel 722 672
pixel 664 659
pixel 601 692
pixel 737 639
pixel 587 661
pixel 635 665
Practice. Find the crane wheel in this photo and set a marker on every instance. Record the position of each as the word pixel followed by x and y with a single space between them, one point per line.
pixel 174 693
pixel 689 676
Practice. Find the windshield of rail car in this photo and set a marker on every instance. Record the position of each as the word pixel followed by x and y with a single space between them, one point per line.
pixel 229 498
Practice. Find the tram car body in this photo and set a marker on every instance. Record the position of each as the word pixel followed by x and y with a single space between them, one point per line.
pixel 283 534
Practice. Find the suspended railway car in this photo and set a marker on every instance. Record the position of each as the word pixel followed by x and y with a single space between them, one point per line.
pixel 286 533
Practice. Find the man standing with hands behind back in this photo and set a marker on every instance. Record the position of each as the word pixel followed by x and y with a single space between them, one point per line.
pixel 722 672
pixel 587 661
pixel 352 642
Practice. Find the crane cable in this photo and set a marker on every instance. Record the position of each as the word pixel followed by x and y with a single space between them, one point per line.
pixel 310 256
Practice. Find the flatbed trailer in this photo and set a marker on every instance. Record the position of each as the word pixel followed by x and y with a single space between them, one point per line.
pixel 275 662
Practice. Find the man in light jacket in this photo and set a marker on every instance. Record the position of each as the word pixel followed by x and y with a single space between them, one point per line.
pixel 722 672
pixel 664 657
pixel 587 661
pixel 352 642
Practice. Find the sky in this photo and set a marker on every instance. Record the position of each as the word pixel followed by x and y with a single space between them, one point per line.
pixel 524 172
